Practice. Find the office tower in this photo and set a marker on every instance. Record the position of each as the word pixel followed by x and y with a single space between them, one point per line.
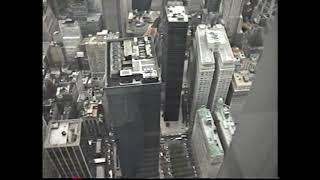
pixel 224 123
pixel 71 38
pixel 78 10
pixel 231 13
pixel 67 145
pixel 115 14
pixel 239 91
pixel 132 104
pixel 95 48
pixel 206 144
pixel 50 23
pixel 176 22
pixel 224 63
pixel 204 66
pixel 94 23
pixel 95 6
pixel 55 56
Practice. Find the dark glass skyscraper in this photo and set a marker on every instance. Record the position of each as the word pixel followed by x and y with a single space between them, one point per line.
pixel 175 21
pixel 132 101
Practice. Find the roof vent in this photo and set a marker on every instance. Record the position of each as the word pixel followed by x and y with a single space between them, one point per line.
pixel 63 133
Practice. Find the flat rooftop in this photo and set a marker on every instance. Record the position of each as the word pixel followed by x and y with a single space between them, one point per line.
pixel 94 17
pixel 131 61
pixel 204 53
pixel 218 41
pixel 62 133
pixel 213 144
pixel 241 80
pixel 176 13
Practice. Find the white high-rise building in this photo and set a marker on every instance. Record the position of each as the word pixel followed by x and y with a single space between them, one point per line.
pixel 224 63
pixel 204 69
pixel 206 144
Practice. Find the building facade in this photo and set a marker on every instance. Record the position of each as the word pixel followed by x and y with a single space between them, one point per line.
pixel 95 48
pixel 55 56
pixel 50 23
pixel 224 63
pixel 66 145
pixel 204 69
pixel 132 104
pixel 175 21
pixel 71 38
pixel 225 125
pixel 206 144
pixel 231 11
pixel 94 23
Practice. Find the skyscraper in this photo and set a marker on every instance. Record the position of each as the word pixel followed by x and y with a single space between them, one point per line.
pixel 231 11
pixel 94 23
pixel 78 10
pixel 206 144
pixel 176 21
pixel 118 12
pixel 66 145
pixel 224 63
pixel 71 38
pixel 55 56
pixel 204 69
pixel 132 102
pixel 95 48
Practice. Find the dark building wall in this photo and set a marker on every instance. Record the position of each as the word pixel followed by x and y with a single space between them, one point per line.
pixel 141 5
pixel 175 55
pixel 134 112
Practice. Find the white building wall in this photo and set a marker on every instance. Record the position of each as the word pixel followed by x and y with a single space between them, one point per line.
pixel 204 73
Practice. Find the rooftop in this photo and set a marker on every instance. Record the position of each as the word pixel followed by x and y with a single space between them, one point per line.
pixel 226 124
pixel 176 14
pixel 205 54
pixel 94 17
pixel 131 61
pixel 242 80
pixel 210 131
pixel 218 41
pixel 63 133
